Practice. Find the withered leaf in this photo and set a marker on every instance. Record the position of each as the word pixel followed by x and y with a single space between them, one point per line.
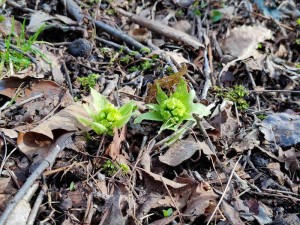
pixel 168 83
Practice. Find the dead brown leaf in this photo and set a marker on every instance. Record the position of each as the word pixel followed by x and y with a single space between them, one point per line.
pixel 242 42
pixel 182 150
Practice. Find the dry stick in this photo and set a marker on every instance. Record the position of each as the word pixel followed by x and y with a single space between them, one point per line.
pixel 119 47
pixel 13 107
pixel 47 162
pixel 210 59
pixel 89 210
pixel 5 152
pixel 164 30
pixel 67 76
pixel 77 13
pixel 254 87
pixel 22 8
pixel 287 91
pixel 36 206
pixel 224 192
pixel 208 82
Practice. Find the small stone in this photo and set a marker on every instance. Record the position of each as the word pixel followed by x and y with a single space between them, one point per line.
pixel 80 47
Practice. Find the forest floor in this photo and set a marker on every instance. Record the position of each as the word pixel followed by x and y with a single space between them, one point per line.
pixel 150 112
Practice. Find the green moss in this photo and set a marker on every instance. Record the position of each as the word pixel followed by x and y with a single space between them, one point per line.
pixel 236 94
pixel 90 81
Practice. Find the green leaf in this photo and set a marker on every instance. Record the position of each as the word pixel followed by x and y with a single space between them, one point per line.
pixel 127 108
pixel 216 16
pixel 181 89
pixel 298 21
pixel 89 111
pixel 155 116
pixel 168 126
pixel 200 109
pixel 126 112
pixel 154 107
pixel 97 127
pixel 72 186
pixel 2 18
pixel 182 93
pixel 99 101
pixel 167 212
pixel 161 95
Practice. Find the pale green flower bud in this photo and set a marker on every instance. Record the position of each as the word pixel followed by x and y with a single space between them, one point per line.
pixel 173 109
pixel 108 116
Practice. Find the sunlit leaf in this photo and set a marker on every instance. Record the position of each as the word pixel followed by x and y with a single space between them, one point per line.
pixel 161 95
pixel 152 115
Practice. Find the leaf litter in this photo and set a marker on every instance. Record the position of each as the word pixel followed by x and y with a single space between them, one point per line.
pixel 238 165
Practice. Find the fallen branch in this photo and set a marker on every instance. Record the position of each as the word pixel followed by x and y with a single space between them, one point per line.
pixel 164 30
pixel 47 162
pixel 78 14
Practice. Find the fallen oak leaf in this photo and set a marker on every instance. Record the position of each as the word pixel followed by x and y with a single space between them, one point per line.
pixel 182 150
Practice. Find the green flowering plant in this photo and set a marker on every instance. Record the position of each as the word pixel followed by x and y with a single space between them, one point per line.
pixel 174 109
pixel 105 116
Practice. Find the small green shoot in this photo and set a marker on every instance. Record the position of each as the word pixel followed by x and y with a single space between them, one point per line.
pixel 145 50
pixel 111 168
pixel 262 116
pixel 90 81
pixel 144 66
pixel 236 94
pixel 175 109
pixel 259 46
pixel 133 69
pixel 72 186
pixel 125 59
pixel 298 21
pixel 297 65
pixel 111 12
pixel 179 13
pixel 104 116
pixel 2 18
pixel 17 59
pixel 168 212
pixel 215 16
pixel 298 41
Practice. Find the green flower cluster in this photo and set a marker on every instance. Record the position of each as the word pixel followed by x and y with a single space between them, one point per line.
pixel 108 116
pixel 174 109
pixel 104 116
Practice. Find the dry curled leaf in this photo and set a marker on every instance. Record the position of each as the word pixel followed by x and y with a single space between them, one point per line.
pixel 169 83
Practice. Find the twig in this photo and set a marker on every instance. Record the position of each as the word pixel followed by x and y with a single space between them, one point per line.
pixel 275 195
pixel 5 152
pixel 78 14
pixel 119 47
pixel 177 135
pixel 208 82
pixel 224 192
pixel 48 161
pixel 287 91
pixel 36 206
pixel 12 107
pixel 204 133
pixel 68 79
pixel 254 87
pixel 22 8
pixel 89 210
pixel 164 30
